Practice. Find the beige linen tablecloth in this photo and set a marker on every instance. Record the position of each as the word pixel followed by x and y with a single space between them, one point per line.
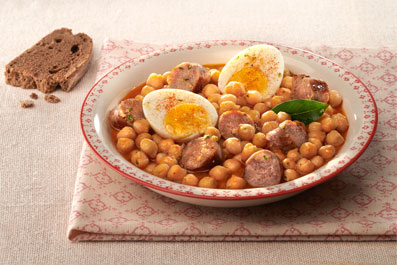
pixel 40 147
pixel 357 205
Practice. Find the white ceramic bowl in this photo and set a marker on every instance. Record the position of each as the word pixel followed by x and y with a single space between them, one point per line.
pixel 358 103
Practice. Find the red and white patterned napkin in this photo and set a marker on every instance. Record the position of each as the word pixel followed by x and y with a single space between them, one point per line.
pixel 359 204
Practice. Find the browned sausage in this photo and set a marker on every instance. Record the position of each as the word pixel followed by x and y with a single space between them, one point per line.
pixel 230 120
pixel 289 135
pixel 201 153
pixel 304 87
pixel 263 169
pixel 189 76
pixel 126 113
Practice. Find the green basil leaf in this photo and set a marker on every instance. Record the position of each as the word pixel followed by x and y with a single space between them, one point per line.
pixel 303 110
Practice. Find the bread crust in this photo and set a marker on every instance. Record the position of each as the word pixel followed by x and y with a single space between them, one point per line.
pixel 59 60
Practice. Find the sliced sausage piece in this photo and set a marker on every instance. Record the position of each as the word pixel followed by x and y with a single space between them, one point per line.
pixel 189 76
pixel 263 169
pixel 304 87
pixel 230 120
pixel 126 113
pixel 294 134
pixel 289 135
pixel 201 153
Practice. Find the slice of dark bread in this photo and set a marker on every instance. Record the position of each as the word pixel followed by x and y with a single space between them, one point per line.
pixel 58 60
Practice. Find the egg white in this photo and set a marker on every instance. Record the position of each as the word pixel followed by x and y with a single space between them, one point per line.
pixel 155 108
pixel 268 59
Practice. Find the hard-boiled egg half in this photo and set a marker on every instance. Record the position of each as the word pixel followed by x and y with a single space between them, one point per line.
pixel 258 67
pixel 178 114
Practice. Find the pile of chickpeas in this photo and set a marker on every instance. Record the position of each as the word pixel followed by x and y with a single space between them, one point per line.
pixel 158 156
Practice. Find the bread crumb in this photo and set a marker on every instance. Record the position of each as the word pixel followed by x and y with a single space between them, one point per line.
pixel 51 98
pixel 33 96
pixel 26 103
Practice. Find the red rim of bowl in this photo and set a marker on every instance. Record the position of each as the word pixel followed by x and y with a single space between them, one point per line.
pixel 251 197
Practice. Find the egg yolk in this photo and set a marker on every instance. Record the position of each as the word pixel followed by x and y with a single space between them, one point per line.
pixel 186 119
pixel 252 79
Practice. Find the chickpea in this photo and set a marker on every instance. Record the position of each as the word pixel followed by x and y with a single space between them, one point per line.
pixel 330 110
pixel 146 90
pixel 156 138
pixel 314 126
pixel 243 143
pixel 175 151
pixel 328 124
pixel 287 82
pixel 207 182
pixel 253 97
pixel 236 182
pixel 246 132
pixel 341 122
pixel 287 72
pixel 149 147
pixel 235 88
pixel 282 116
pixel 276 100
pixel 190 180
pixel 216 106
pixel 214 76
pixel 308 150
pixel 161 170
pixel 241 101
pixel 268 102
pixel 220 173
pixel 149 169
pixel 212 131
pixel 255 115
pixel 248 150
pixel 166 76
pixel 269 126
pixel 165 144
pixel 227 105
pixel 233 145
pixel 159 157
pixel 269 116
pixel 289 163
pixel 290 174
pixel 317 161
pixel 316 142
pixel 245 109
pixel 259 140
pixel 155 80
pixel 325 115
pixel 260 107
pixel 233 164
pixel 327 152
pixel 169 161
pixel 139 159
pixel 176 173
pixel 294 155
pixel 227 97
pixel 125 145
pixel 285 93
pixel 210 89
pixel 334 138
pixel 304 166
pixel 214 98
pixel 335 99
pixel 141 126
pixel 139 97
pixel 238 158
pixel 279 154
pixel 140 137
pixel 320 135
pixel 126 132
